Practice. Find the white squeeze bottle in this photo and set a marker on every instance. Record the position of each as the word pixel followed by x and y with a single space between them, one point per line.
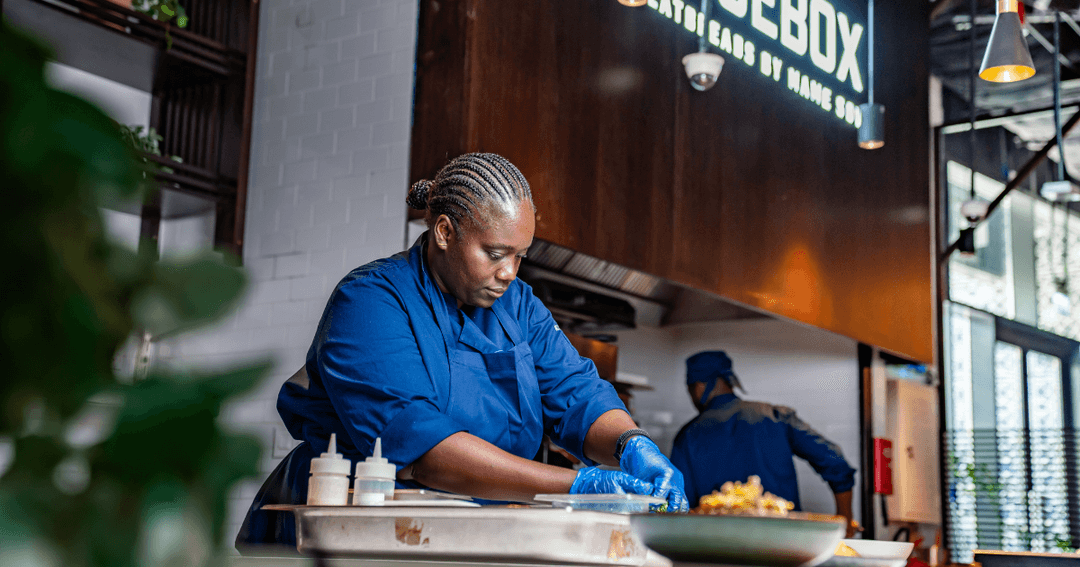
pixel 374 479
pixel 329 482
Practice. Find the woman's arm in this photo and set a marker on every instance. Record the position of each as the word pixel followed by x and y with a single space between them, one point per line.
pixel 465 464
pixel 605 431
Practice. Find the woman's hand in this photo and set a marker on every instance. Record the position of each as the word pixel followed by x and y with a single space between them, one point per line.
pixel 593 480
pixel 643 459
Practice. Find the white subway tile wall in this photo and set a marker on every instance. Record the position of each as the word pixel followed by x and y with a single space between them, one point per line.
pixel 330 147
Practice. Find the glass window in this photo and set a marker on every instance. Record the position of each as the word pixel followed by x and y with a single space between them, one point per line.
pixel 983 280
pixel 1008 448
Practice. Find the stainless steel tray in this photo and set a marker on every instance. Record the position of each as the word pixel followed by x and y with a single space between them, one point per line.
pixel 489 534
pixel 741 540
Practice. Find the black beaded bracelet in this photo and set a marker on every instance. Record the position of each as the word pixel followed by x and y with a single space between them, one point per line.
pixel 621 443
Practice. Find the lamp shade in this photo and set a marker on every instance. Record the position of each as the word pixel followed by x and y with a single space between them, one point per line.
pixel 633 3
pixel 872 129
pixel 1007 59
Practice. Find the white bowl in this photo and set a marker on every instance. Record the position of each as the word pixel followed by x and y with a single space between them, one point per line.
pixel 873 549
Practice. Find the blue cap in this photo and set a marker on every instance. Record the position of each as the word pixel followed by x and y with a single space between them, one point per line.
pixel 709 365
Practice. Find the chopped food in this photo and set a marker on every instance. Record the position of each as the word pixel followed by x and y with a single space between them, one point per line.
pixel 844 550
pixel 743 498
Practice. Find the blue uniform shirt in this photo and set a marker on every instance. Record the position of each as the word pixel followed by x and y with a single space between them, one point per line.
pixel 733 439
pixel 395 358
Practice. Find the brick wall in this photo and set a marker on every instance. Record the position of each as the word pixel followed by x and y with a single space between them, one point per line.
pixel 330 147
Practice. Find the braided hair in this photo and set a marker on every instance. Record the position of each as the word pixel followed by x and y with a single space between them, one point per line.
pixel 471 186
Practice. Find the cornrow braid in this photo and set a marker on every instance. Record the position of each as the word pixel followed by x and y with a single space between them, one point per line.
pixel 470 186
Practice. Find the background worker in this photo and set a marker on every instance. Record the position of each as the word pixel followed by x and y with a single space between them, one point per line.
pixel 732 439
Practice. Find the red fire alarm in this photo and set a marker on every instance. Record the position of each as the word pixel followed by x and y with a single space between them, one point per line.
pixel 883 466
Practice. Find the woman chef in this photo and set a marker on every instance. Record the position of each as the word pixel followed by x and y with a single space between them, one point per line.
pixel 458 367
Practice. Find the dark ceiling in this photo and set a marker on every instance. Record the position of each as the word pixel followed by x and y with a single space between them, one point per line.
pixel 950 40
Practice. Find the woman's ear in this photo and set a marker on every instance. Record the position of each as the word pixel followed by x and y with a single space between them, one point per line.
pixel 444 232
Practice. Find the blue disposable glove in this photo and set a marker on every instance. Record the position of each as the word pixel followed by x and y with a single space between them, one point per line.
pixel 592 480
pixel 643 459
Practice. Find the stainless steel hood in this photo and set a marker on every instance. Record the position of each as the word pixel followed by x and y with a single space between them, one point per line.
pixel 588 295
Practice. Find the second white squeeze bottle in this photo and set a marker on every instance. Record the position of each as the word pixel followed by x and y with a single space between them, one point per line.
pixel 374 479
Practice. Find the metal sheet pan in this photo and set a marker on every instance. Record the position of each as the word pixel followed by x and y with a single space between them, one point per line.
pixel 489 534
pixel 741 540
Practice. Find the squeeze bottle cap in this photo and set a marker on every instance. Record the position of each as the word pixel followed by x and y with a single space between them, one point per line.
pixel 376 466
pixel 331 462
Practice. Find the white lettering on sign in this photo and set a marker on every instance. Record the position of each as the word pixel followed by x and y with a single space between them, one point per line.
pixel 690 18
pixel 793 19
pixel 736 7
pixel 823 12
pixel 813 29
pixel 850 34
pixel 758 20
pixel 665 8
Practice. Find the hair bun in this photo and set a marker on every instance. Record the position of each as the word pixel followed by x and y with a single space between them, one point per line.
pixel 418 195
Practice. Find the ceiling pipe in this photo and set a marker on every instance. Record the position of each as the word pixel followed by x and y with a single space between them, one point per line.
pixel 1041 39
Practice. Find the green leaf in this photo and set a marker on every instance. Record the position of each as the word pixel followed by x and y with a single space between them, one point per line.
pixel 187 294
pixel 63 315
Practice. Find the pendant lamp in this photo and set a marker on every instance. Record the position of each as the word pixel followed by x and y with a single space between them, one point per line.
pixel 1007 59
pixel 632 3
pixel 872 129
pixel 1063 189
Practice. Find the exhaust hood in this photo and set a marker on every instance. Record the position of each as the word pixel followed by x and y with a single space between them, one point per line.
pixel 590 296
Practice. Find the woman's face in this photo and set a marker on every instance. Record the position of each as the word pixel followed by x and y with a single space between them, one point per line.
pixel 484 261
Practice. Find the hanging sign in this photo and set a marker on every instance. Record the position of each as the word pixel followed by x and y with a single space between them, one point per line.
pixel 810 47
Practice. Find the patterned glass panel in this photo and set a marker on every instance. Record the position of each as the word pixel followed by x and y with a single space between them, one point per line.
pixel 1048 513
pixel 1011 463
pixel 963 519
pixel 1057 267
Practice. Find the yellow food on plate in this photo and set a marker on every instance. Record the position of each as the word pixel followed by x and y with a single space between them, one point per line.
pixel 747 498
pixel 844 550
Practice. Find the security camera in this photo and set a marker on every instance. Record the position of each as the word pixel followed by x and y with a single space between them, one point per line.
pixel 974 210
pixel 703 68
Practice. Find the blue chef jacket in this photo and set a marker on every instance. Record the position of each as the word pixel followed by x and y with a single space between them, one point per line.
pixel 733 439
pixel 394 357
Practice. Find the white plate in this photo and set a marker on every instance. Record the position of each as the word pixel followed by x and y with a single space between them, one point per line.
pixel 741 540
pixel 840 561
pixel 874 549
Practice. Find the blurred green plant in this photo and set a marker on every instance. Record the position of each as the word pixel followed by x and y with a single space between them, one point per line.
pixel 162 10
pixel 104 471
pixel 146 141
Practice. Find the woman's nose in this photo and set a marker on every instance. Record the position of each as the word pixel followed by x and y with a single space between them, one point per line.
pixel 508 271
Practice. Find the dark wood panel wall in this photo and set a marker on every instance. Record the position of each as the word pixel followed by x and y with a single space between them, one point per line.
pixel 746 190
